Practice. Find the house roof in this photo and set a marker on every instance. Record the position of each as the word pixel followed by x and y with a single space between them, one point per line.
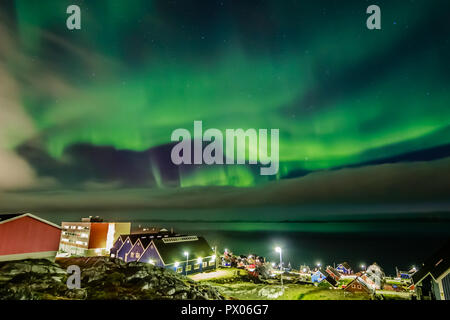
pixel 361 282
pixel 346 265
pixel 436 265
pixel 11 217
pixel 333 271
pixel 172 250
pixel 145 241
pixel 329 278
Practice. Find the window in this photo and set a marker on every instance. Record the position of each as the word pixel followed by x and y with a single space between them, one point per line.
pixel 359 287
pixel 188 267
pixel 179 270
pixel 353 286
pixel 196 266
pixel 138 255
pixel 132 254
pixel 205 264
pixel 211 263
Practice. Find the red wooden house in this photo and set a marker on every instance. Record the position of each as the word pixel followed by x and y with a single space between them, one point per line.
pixel 358 286
pixel 25 236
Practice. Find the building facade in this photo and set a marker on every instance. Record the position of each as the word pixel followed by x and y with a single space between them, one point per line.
pixel 90 237
pixel 180 253
pixel 344 268
pixel 26 236
pixel 432 280
pixel 359 286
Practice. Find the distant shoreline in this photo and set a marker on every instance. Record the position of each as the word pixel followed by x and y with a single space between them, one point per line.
pixel 384 220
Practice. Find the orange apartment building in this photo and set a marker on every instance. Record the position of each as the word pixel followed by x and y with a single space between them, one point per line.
pixel 90 237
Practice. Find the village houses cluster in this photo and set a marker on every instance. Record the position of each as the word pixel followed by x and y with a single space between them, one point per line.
pixel 27 236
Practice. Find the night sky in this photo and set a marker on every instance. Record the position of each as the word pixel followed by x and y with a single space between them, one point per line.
pixel 86 116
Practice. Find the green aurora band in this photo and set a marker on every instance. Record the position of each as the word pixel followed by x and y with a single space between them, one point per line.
pixel 135 97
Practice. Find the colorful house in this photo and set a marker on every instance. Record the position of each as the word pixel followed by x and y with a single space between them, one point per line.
pixel 138 249
pixel 344 268
pixel 170 253
pixel 332 272
pixel 358 286
pixel 374 276
pixel 181 253
pixel 321 275
pixel 26 236
pixel 125 247
pixel 125 242
pixel 318 276
pixel 432 280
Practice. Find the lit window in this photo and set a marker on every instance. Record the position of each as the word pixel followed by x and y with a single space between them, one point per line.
pixel 196 266
pixel 179 270
pixel 205 264
pixel 188 267
pixel 138 255
pixel 132 254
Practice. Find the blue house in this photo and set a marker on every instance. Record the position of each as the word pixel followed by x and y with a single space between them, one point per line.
pixel 321 275
pixel 318 276
pixel 138 248
pixel 124 243
pixel 344 268
pixel 170 253
pixel 117 245
pixel 181 253
pixel 127 244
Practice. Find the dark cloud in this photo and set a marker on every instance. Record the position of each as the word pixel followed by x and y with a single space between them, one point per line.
pixel 417 183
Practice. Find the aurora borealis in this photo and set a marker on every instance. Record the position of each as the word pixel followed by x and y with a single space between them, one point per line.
pixel 94 109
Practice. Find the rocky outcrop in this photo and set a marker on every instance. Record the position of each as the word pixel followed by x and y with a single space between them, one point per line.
pixel 101 278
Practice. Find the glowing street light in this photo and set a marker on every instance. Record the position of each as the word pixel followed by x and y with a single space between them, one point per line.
pixel 278 249
pixel 177 264
pixel 187 261
pixel 319 264
pixel 363 267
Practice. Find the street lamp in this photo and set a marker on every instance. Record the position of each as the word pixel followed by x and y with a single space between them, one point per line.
pixel 187 261
pixel 363 267
pixel 278 249
pixel 318 264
